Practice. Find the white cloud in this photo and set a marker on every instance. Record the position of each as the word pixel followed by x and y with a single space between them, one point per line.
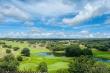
pixel 28 10
pixel 1 17
pixel 84 32
pixel 90 10
pixel 55 34
pixel 50 12
pixel 10 10
pixel 46 7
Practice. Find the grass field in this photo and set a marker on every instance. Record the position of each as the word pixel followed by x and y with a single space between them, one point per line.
pixel 31 63
pixel 101 54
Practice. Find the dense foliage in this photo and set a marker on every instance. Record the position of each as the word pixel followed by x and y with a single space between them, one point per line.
pixel 73 50
pixel 8 51
pixel 16 48
pixel 25 52
pixel 42 68
pixel 19 58
pixel 9 63
pixel 86 64
pixel 103 45
pixel 76 51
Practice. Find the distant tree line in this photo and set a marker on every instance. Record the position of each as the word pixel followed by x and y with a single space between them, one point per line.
pixel 103 45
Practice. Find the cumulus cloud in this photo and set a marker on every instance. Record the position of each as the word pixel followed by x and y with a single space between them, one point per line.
pixel 29 9
pixel 46 7
pixel 9 10
pixel 1 17
pixel 57 34
pixel 91 9
pixel 88 12
pixel 43 12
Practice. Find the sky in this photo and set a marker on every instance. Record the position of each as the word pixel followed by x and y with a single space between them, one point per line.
pixel 54 18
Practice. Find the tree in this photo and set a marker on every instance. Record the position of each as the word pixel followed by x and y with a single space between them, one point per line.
pixel 8 51
pixel 100 68
pixel 81 65
pixel 87 52
pixel 16 48
pixel 19 58
pixel 85 64
pixel 73 51
pixel 62 71
pixel 25 52
pixel 42 68
pixel 9 63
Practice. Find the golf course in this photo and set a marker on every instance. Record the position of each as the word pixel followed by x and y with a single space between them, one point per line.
pixel 40 53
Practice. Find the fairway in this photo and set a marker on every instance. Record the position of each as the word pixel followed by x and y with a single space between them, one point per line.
pixel 101 54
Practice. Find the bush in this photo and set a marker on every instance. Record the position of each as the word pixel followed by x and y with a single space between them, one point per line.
pixel 9 63
pixel 73 51
pixel 62 71
pixel 42 67
pixel 2 43
pixel 8 51
pixel 87 52
pixel 25 52
pixel 19 58
pixel 81 65
pixel 6 46
pixel 16 48
pixel 100 68
pixel 86 64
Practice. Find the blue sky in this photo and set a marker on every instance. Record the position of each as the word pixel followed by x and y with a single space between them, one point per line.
pixel 55 18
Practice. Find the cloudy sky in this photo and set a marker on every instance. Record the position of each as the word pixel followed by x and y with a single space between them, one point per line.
pixel 55 18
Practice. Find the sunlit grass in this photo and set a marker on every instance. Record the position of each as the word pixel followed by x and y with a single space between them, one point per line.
pixel 101 54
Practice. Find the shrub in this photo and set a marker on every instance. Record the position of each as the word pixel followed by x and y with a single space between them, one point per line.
pixel 62 71
pixel 73 51
pixel 16 48
pixel 25 52
pixel 9 63
pixel 81 65
pixel 100 68
pixel 8 51
pixel 6 46
pixel 19 58
pixel 42 67
pixel 84 64
pixel 87 52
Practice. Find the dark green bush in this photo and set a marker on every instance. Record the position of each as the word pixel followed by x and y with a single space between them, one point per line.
pixel 25 52
pixel 9 63
pixel 8 51
pixel 42 68
pixel 16 48
pixel 19 58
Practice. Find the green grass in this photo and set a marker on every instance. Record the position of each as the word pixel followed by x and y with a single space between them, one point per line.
pixel 54 63
pixel 101 54
pixel 31 63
